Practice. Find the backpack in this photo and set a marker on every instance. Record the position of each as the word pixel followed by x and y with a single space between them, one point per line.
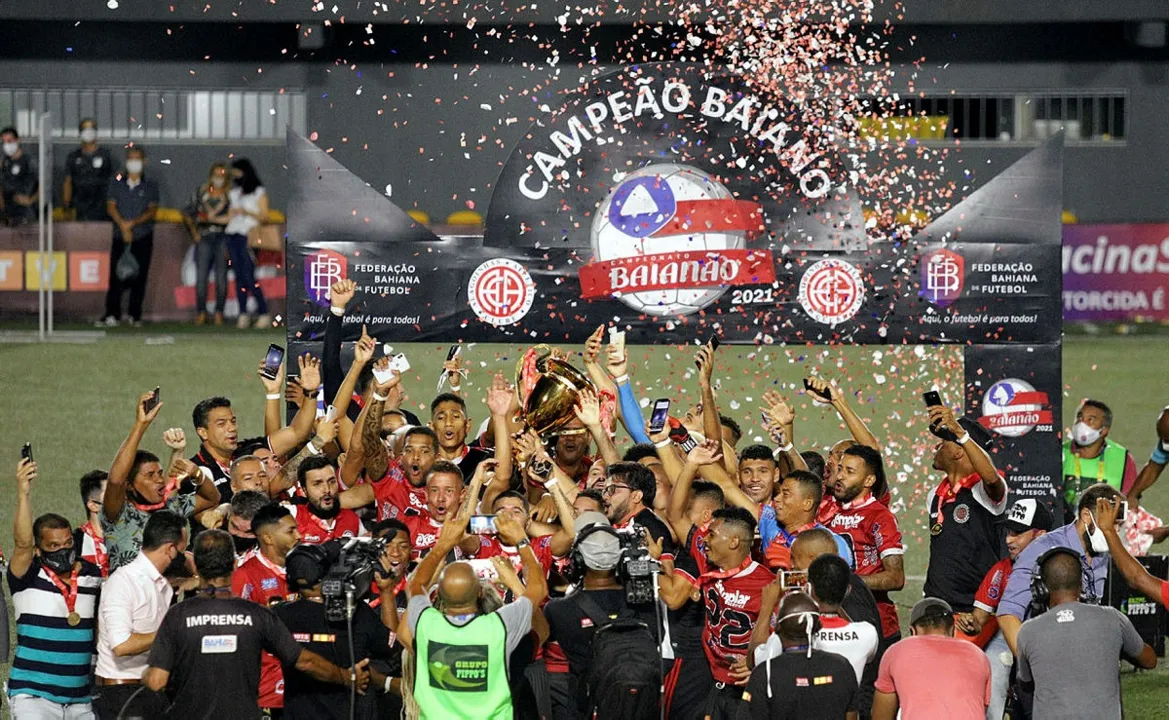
pixel 625 676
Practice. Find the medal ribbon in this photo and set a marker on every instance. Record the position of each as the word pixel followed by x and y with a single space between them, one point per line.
pixel 99 549
pixel 70 591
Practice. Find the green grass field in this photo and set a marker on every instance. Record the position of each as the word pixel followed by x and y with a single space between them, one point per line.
pixel 75 402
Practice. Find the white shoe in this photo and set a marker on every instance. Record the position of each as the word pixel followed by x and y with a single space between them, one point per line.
pixel 263 322
pixel 243 322
pixel 107 321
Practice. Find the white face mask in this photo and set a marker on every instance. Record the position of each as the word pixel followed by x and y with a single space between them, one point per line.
pixel 134 167
pixel 88 135
pixel 1097 540
pixel 1084 434
pixel 217 182
pixel 10 148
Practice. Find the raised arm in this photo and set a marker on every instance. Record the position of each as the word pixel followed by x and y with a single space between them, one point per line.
pixel 588 411
pixel 499 403
pixel 286 476
pixel 206 494
pixel 362 355
pixel 273 394
pixel 512 533
pixel 340 294
pixel 119 478
pixel 821 389
pixel 287 439
pixel 711 423
pixel 996 487
pixel 1134 573
pixel 781 426
pixel 24 544
pixel 565 535
pixel 772 593
pixel 592 354
pixel 617 363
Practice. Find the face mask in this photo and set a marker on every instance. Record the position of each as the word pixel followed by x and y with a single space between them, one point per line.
pixel 10 148
pixel 243 544
pixel 1084 434
pixel 88 135
pixel 177 566
pixel 217 182
pixel 1096 539
pixel 134 167
pixel 59 561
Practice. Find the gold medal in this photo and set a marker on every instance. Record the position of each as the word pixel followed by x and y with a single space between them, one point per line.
pixel 74 619
pixel 936 529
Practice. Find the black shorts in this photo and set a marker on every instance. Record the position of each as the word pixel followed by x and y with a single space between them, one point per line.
pixel 724 702
pixel 688 685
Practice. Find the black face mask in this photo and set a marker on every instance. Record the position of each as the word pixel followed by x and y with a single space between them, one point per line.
pixel 59 561
pixel 177 567
pixel 243 544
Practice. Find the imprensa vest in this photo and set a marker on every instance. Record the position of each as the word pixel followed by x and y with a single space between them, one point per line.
pixel 1080 473
pixel 461 671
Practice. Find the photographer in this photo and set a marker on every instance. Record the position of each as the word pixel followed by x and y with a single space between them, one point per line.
pixel 304 695
pixel 574 621
pixel 461 651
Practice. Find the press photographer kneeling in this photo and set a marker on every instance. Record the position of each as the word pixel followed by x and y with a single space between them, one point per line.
pixel 608 627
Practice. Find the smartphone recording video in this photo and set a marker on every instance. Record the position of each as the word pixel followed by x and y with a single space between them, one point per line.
pixel 272 361
pixel 661 412
pixel 482 525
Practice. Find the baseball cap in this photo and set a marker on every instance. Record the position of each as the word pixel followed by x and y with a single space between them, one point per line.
pixel 1028 514
pixel 929 608
pixel 599 550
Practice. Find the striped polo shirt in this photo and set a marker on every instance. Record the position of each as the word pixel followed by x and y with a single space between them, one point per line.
pixel 53 659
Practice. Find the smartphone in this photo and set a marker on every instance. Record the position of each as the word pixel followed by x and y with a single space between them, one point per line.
pixel 383 376
pixel 827 394
pixel 794 580
pixel 657 420
pixel 1121 512
pixel 330 414
pixel 482 525
pixel 399 363
pixel 454 352
pixel 272 362
pixel 151 402
pixel 26 452
pixel 714 342
pixel 932 398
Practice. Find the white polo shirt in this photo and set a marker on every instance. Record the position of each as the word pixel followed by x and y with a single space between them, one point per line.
pixel 134 599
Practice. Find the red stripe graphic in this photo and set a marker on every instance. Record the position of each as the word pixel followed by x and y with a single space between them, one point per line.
pixel 677 270
pixel 1029 398
pixel 703 216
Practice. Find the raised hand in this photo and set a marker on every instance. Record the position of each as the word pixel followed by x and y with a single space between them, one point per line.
pixel 499 396
pixel 327 431
pixel 182 469
pixel 704 358
pixel 143 417
pixel 618 360
pixel 545 511
pixel 382 365
pixel 293 392
pixel 823 391
pixel 341 292
pixel 508 577
pixel 778 409
pixel 508 530
pixel 527 445
pixel 593 345
pixel 364 349
pixel 175 439
pixel 26 472
pixel 271 385
pixel 942 416
pixel 707 453
pixel 588 408
pixel 310 373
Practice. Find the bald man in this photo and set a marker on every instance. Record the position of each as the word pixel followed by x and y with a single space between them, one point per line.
pixel 463 649
pixel 780 687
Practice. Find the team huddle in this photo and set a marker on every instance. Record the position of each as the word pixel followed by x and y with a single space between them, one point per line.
pixel 359 559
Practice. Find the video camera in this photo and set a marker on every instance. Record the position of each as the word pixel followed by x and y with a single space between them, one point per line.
pixel 348 579
pixel 636 569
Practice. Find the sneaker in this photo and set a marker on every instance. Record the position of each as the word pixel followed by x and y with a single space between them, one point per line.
pixel 243 321
pixel 263 322
pixel 201 319
pixel 218 318
pixel 108 322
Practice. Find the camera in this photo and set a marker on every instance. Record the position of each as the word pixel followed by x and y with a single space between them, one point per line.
pixel 636 569
pixel 348 580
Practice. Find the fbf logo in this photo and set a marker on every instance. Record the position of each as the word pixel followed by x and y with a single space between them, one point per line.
pixel 943 275
pixel 322 268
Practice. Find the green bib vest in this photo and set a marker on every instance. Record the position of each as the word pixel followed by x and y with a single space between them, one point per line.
pixel 1080 473
pixel 461 671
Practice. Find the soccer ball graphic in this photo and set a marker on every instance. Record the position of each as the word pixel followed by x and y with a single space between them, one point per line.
pixel 632 221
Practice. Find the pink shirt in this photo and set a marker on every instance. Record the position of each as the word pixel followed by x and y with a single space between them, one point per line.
pixel 936 676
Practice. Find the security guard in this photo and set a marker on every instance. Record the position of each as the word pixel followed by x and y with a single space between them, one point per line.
pixel 1089 457
pixel 206 654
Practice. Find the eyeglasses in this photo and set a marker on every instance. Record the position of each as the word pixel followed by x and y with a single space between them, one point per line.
pixel 610 489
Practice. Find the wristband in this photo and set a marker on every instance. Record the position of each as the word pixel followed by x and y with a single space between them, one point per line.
pixel 273 396
pixel 380 398
pixel 550 482
pixel 663 443
pixel 313 448
pixel 963 438
pixel 621 379
pixel 1160 454
pixel 386 689
pixel 339 312
pixel 787 448
pixel 522 544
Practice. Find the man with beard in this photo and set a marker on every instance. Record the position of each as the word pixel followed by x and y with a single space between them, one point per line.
pixel 261 579
pixel 1084 537
pixel 242 511
pixel 402 485
pixel 137 487
pixel 54 601
pixel 629 496
pixel 445 492
pixel 321 516
pixel 133 602
pixel 876 540
pixel 824 392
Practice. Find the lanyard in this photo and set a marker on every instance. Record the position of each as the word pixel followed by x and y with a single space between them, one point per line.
pixel 276 569
pixel 69 591
pixel 1080 475
pixel 724 574
pixel 99 549
pixel 947 493
pixel 166 493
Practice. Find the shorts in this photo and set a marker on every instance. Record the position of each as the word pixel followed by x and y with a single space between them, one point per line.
pixel 688 684
pixel 724 702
